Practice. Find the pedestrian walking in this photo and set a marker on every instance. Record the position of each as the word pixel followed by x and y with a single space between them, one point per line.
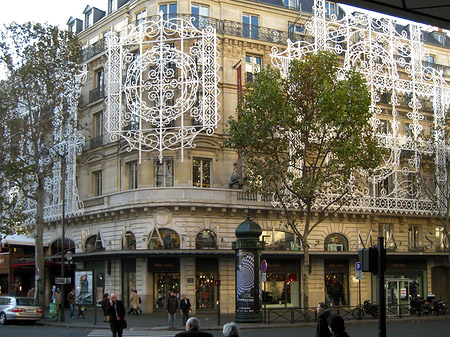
pixel 193 329
pixel 337 326
pixel 71 300
pixel 104 303
pixel 172 308
pixel 185 306
pixel 323 312
pixel 134 302
pixel 58 301
pixel 116 312
pixel 231 330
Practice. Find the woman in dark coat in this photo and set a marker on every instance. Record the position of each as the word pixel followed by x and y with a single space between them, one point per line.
pixel 323 312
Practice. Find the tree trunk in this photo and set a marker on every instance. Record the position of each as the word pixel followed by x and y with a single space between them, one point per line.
pixel 305 286
pixel 39 243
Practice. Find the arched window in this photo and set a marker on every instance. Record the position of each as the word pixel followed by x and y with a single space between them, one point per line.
pixel 166 239
pixel 336 243
pixel 206 239
pixel 57 246
pixel 279 240
pixel 129 241
pixel 94 244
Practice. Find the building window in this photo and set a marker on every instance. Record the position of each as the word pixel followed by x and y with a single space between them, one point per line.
pixel 202 172
pixel 169 10
pixel 336 282
pixel 430 61
pixel 441 240
pixel 94 244
pixel 330 8
pixel 291 4
pixel 295 28
pixel 112 6
pixel 164 239
pixel 413 237
pixel 440 37
pixel 252 67
pixel 140 19
pixel 200 15
pixel 129 241
pixel 98 183
pixel 250 26
pixel 56 246
pixel 336 243
pixel 99 86
pixel 88 19
pixel 385 187
pixel 279 240
pixel 97 134
pixel 164 172
pixel 206 239
pixel 132 169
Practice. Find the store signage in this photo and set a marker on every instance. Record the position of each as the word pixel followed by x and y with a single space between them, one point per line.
pixel 60 280
pixel 164 265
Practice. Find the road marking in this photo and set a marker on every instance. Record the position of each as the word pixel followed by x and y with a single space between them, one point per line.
pixel 131 333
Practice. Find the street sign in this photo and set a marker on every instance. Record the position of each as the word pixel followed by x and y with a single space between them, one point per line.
pixel 60 280
pixel 263 277
pixel 358 267
pixel 68 280
pixel 264 266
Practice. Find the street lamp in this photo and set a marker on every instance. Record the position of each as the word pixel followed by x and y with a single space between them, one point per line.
pixel 62 157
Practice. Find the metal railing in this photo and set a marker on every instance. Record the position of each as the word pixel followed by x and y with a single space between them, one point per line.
pixel 223 27
pixel 96 94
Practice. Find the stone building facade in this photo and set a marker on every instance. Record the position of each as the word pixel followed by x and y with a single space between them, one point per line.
pixel 157 225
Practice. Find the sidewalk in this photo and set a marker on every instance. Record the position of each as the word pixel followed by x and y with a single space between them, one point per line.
pixel 208 321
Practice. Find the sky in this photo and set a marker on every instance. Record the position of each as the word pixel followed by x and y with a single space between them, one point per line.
pixel 54 12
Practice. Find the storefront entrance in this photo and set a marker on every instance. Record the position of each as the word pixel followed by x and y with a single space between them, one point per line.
pixel 398 293
pixel 207 269
pixel 336 282
pixel 164 283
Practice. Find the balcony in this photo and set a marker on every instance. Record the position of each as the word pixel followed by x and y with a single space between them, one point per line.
pixel 96 142
pixel 96 94
pixel 94 49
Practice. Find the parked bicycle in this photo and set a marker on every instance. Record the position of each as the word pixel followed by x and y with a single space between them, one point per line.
pixel 366 308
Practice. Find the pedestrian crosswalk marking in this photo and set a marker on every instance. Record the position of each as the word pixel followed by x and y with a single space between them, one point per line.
pixel 131 333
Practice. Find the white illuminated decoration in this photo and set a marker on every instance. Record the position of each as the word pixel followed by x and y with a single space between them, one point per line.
pixel 69 143
pixel 161 84
pixel 409 99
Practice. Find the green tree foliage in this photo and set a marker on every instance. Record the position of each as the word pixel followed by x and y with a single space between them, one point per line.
pixel 302 137
pixel 41 64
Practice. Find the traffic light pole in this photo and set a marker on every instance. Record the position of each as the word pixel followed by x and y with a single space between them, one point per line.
pixel 381 292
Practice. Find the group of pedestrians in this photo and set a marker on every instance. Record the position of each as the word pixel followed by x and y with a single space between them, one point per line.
pixel 193 329
pixel 172 309
pixel 329 324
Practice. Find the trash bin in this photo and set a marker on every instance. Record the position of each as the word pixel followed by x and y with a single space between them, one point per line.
pixel 53 310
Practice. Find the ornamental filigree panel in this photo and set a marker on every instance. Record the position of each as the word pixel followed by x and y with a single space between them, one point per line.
pixel 162 84
pixel 409 99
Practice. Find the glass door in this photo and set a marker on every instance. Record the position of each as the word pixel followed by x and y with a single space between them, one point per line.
pixel 164 283
pixel 397 296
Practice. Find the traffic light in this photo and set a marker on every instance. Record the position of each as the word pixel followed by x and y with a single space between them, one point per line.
pixel 217 282
pixel 369 259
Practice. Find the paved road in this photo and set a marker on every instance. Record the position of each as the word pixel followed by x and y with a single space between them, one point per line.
pixel 395 329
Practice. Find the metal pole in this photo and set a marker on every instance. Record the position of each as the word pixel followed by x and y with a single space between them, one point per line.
pixel 94 296
pixel 381 292
pixel 63 196
pixel 359 291
pixel 218 303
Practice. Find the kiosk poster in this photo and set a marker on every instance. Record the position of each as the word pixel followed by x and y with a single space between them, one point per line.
pixel 245 282
pixel 83 287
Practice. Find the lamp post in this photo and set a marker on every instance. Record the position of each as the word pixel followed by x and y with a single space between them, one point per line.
pixel 63 196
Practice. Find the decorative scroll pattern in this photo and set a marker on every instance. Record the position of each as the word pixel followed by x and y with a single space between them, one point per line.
pixel 162 84
pixel 409 100
pixel 69 143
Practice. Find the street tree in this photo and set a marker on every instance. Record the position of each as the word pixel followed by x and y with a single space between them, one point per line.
pixel 302 138
pixel 41 63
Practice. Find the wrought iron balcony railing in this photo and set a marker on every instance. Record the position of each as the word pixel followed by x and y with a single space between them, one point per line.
pixel 224 27
pixel 96 93
pixel 96 142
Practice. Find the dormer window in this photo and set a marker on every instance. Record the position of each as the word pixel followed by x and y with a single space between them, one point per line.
pixel 291 4
pixel 440 37
pixel 112 6
pixel 330 8
pixel 89 17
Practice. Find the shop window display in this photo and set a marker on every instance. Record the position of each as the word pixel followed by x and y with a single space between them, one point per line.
pixel 336 282
pixel 279 240
pixel 164 283
pixel 336 243
pixel 206 274
pixel 164 239
pixel 281 289
pixel 206 239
